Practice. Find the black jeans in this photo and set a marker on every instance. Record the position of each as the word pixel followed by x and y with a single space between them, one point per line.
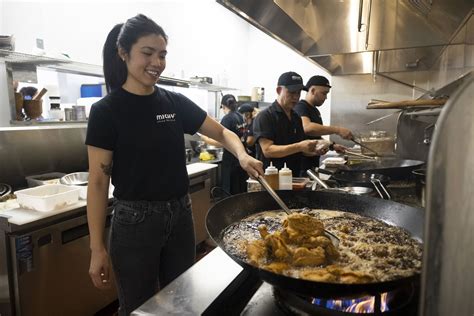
pixel 151 243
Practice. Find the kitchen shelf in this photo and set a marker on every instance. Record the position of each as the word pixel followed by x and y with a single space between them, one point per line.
pixel 20 60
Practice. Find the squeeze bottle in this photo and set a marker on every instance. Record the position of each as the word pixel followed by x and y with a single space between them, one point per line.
pixel 285 178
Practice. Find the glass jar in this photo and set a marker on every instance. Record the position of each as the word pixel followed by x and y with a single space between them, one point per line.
pixel 253 185
pixel 379 141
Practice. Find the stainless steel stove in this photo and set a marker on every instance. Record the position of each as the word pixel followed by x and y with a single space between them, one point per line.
pixel 216 285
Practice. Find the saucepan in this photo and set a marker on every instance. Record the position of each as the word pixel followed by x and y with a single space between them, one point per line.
pixel 357 190
pixel 360 179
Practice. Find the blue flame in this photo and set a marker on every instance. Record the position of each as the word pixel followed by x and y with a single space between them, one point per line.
pixel 358 305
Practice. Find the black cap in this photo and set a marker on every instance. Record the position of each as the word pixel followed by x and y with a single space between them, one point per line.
pixel 291 80
pixel 317 81
pixel 228 99
pixel 246 107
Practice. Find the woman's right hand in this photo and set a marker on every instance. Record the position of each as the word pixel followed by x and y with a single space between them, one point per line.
pixel 99 270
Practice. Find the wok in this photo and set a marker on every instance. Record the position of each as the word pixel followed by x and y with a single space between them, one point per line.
pixel 233 209
pixel 396 169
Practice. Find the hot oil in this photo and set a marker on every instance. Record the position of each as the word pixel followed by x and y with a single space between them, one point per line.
pixel 367 245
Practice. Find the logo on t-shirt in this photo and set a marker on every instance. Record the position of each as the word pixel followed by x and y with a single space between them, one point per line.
pixel 166 117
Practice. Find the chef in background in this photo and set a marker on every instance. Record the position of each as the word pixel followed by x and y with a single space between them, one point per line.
pixel 233 176
pixel 249 113
pixel 278 129
pixel 318 88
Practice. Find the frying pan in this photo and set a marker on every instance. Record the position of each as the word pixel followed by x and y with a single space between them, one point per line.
pixel 237 207
pixel 396 169
pixel 361 179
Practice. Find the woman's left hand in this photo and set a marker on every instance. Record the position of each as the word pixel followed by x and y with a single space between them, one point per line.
pixel 252 166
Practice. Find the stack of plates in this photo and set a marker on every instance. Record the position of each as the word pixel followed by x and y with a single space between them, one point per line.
pixel 332 162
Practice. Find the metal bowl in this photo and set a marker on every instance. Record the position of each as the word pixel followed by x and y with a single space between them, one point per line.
pixel 356 190
pixel 76 178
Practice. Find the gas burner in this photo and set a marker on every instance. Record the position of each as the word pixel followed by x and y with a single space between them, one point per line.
pixel 401 301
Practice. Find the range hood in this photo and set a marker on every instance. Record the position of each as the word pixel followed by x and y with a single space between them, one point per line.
pixel 362 36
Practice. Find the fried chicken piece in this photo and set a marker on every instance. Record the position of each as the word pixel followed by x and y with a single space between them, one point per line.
pixel 309 257
pixel 277 246
pixel 277 267
pixel 319 275
pixel 262 229
pixel 256 252
pixel 304 224
pixel 351 277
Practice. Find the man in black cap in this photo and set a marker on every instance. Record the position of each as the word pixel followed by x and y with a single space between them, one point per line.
pixel 279 131
pixel 317 89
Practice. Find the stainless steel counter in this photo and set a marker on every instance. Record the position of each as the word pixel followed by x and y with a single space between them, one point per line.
pixel 32 242
pixel 195 289
pixel 215 285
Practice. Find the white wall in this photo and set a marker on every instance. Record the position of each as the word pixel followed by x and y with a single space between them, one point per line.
pixel 205 39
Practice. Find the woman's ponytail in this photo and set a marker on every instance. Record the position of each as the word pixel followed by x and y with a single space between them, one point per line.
pixel 115 69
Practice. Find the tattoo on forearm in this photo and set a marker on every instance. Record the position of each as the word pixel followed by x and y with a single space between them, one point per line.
pixel 106 169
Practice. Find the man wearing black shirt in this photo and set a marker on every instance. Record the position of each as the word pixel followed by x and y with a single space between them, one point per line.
pixel 317 89
pixel 279 130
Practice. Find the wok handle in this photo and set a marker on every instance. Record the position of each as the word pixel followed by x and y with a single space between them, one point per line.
pixel 381 190
pixel 325 171
pixel 313 176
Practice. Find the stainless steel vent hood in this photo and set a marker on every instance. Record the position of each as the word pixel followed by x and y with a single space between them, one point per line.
pixel 362 36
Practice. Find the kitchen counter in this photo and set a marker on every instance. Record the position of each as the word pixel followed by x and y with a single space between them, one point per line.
pixel 31 242
pixel 197 160
pixel 18 218
pixel 199 167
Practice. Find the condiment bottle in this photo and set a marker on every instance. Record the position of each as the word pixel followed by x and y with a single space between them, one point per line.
pixel 271 175
pixel 285 178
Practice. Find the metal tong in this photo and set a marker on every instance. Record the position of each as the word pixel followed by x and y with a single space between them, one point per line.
pixel 334 239
pixel 368 148
pixel 380 188
pixel 272 192
pixel 359 155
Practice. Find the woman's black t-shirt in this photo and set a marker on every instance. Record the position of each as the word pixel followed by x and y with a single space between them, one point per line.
pixel 146 135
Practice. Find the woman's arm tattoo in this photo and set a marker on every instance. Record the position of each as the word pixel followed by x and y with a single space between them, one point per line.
pixel 106 169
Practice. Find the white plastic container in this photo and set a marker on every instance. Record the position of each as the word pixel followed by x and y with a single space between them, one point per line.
pixel 47 197
pixel 253 185
pixel 285 178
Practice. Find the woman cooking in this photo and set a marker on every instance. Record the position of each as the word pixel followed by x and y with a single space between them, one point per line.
pixel 135 137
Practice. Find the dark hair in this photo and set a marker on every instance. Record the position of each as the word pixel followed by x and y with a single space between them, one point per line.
pixel 124 35
pixel 229 101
